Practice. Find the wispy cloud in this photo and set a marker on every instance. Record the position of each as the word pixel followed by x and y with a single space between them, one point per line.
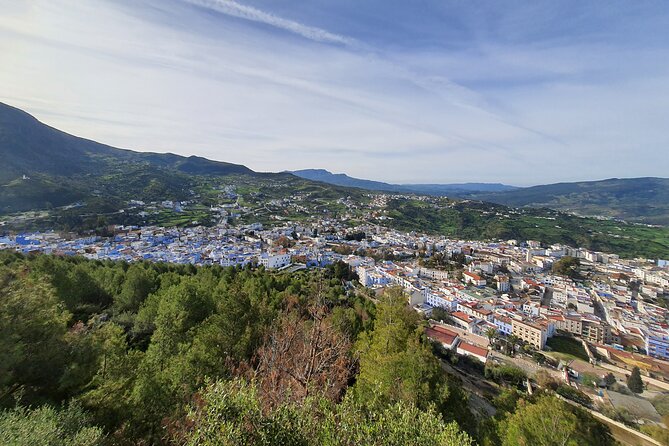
pixel 446 93
pixel 232 8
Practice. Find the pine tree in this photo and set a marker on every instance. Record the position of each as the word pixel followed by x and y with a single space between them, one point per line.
pixel 634 381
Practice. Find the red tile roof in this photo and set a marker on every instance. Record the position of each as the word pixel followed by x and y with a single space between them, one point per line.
pixel 462 316
pixel 472 275
pixel 473 349
pixel 437 335
pixel 444 330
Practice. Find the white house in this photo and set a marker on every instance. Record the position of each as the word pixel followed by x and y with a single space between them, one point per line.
pixel 274 260
pixel 473 278
pixel 467 349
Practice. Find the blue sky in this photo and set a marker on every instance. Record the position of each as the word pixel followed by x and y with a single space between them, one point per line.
pixel 423 91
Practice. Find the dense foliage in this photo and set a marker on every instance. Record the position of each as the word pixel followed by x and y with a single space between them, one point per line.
pixel 471 220
pixel 548 422
pixel 568 266
pixel 231 414
pixel 102 353
pixel 46 426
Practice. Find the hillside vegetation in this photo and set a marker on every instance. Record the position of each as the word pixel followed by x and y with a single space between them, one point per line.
pixel 62 169
pixel 104 353
pixel 633 199
pixel 478 220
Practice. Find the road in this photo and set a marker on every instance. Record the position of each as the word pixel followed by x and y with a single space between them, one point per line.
pixel 530 367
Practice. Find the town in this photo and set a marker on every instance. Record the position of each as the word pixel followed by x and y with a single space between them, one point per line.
pixel 506 286
pixel 574 313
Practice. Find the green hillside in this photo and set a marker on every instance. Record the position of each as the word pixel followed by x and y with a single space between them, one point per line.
pixel 60 169
pixel 479 220
pixel 634 199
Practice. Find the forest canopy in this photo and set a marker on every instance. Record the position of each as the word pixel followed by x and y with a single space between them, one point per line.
pixel 111 353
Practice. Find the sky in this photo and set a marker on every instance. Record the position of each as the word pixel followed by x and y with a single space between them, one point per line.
pixel 423 91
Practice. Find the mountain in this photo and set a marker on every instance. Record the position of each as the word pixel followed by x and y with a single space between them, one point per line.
pixel 635 199
pixel 44 167
pixel 643 200
pixel 71 183
pixel 456 189
pixel 341 179
pixel 28 146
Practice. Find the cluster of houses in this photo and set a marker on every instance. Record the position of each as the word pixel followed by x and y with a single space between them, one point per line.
pixel 452 340
pixel 504 286
pixel 198 246
pixel 509 288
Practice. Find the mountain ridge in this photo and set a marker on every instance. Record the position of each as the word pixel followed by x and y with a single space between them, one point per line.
pixel 642 199
pixel 44 167
pixel 342 179
pixel 44 149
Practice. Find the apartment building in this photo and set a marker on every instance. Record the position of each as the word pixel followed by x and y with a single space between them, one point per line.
pixel 529 332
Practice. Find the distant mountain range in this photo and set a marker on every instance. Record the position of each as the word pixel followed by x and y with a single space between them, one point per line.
pixel 341 179
pixel 635 199
pixel 45 168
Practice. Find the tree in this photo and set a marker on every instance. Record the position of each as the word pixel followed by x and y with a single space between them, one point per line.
pixel 589 379
pixel 302 356
pixel 109 391
pixel 491 334
pixel 49 427
pixel 165 377
pixel 551 422
pixel 231 413
pixel 396 365
pixel 571 393
pixel 610 379
pixel 568 266
pixel 507 401
pixel 512 341
pixel 634 381
pixel 33 323
pixel 341 271
pixel 541 359
pixel 357 236
pixel 284 242
pixel 509 374
pixel 139 283
pixel 440 314
pixel 545 380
